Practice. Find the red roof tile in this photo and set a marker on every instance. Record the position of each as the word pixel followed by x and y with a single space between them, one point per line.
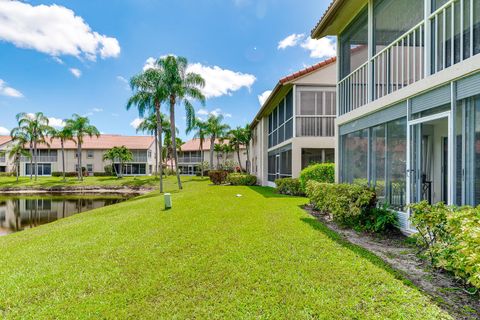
pixel 308 70
pixel 106 141
pixel 194 144
pixel 4 139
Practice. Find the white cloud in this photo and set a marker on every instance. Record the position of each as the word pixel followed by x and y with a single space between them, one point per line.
pixel 203 112
pixel 58 60
pixel 136 122
pixel 4 131
pixel 97 110
pixel 215 112
pixel 264 96
pixel 290 41
pixel 218 81
pixel 55 122
pixel 76 72
pixel 54 30
pixel 5 90
pixel 321 48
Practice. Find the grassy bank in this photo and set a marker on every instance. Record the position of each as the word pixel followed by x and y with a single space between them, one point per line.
pixel 214 255
pixel 106 182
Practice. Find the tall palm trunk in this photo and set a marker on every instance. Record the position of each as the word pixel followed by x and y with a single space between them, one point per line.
pixel 239 161
pixel 202 154
pixel 174 140
pixel 31 160
pixel 156 151
pixel 79 161
pixel 17 162
pixel 63 160
pixel 160 149
pixel 248 159
pixel 212 145
pixel 35 151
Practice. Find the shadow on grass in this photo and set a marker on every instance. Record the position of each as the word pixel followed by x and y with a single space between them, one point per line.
pixel 364 253
pixel 269 192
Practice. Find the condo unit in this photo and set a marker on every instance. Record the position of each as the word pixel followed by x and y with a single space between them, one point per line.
pixel 409 107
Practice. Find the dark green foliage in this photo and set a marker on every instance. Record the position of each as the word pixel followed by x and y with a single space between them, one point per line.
pixel 322 172
pixel 103 174
pixel 241 179
pixel 218 176
pixel 7 174
pixel 450 238
pixel 67 174
pixel 379 219
pixel 289 186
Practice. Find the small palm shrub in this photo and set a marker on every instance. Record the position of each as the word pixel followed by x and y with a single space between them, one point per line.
pixel 322 172
pixel 218 177
pixel 289 186
pixel 241 179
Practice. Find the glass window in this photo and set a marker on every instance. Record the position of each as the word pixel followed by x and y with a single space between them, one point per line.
pixel 289 129
pixel 396 163
pixel 289 105
pixel 281 113
pixel 275 119
pixel 330 155
pixel 90 154
pixel 355 37
pixel 307 103
pixel 377 159
pixel 354 162
pixel 393 18
pixel 90 168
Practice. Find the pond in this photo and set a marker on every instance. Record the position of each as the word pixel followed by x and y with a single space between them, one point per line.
pixel 20 212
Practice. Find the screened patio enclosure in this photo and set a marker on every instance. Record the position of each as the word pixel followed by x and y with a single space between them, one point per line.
pixel 424 148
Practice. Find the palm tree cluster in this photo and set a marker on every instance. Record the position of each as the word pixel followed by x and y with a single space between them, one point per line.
pixel 34 129
pixel 120 155
pixel 167 82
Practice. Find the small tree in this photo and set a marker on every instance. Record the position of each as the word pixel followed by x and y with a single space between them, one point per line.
pixel 120 154
pixel 64 134
pixel 15 152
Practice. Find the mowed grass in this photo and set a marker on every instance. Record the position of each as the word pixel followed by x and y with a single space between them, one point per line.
pixel 214 255
pixel 52 182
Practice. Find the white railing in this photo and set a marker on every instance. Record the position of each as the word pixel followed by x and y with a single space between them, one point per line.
pixel 136 158
pixel 315 126
pixel 400 64
pixel 450 38
pixel 40 159
pixel 189 159
pixel 353 89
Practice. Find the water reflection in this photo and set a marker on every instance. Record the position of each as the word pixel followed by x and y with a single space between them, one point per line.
pixel 20 213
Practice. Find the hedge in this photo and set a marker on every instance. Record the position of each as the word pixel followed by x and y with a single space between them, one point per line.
pixel 218 176
pixel 450 237
pixel 241 179
pixel 322 172
pixel 67 174
pixel 7 174
pixel 289 186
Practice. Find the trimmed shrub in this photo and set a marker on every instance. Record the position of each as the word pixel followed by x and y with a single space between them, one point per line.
pixel 322 172
pixel 449 236
pixel 103 174
pixel 289 186
pixel 346 204
pixel 241 179
pixel 379 219
pixel 67 174
pixel 7 174
pixel 218 176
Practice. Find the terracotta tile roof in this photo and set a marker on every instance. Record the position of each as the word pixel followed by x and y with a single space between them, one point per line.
pixel 106 141
pixel 194 144
pixel 330 7
pixel 307 70
pixel 4 139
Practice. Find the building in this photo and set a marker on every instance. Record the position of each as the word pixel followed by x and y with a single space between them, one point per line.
pixel 6 164
pixel 190 156
pixel 409 111
pixel 296 125
pixel 49 157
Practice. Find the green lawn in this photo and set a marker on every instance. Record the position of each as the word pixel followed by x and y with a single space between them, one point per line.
pixel 49 182
pixel 214 255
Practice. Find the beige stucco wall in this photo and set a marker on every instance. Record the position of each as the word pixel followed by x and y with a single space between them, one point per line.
pixel 308 143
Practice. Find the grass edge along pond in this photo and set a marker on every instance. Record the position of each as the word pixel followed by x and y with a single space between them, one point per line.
pixel 214 255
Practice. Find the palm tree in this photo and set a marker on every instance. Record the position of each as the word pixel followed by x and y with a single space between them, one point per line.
pixel 64 134
pixel 148 95
pixel 15 152
pixel 218 148
pixel 226 149
pixel 236 139
pixel 180 86
pixel 215 130
pixel 35 127
pixel 81 128
pixel 149 125
pixel 200 128
pixel 247 138
pixel 120 154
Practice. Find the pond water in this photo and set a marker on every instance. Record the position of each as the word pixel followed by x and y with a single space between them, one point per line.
pixel 22 212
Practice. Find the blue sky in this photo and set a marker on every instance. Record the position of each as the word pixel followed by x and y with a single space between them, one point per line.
pixel 75 56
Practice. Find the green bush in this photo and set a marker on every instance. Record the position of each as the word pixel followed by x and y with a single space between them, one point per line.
pixel 346 204
pixel 218 176
pixel 379 219
pixel 450 237
pixel 322 172
pixel 241 179
pixel 67 174
pixel 7 174
pixel 289 186
pixel 103 174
